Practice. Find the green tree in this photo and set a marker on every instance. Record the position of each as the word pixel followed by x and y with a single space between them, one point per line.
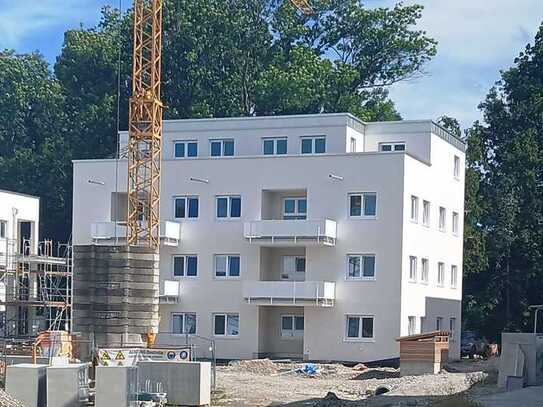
pixel 507 157
pixel 34 157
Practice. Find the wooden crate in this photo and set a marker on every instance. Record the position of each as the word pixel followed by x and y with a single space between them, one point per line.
pixel 424 353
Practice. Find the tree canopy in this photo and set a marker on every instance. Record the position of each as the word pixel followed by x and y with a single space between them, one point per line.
pixel 220 58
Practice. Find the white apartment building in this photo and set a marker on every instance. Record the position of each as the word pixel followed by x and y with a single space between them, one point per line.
pixel 314 236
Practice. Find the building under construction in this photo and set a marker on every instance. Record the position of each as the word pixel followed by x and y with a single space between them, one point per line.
pixel 35 277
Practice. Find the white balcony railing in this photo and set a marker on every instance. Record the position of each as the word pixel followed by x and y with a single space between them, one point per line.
pixel 291 231
pixel 170 232
pixel 301 293
pixel 170 292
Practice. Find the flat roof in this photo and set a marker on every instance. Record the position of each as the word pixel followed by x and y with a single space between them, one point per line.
pixel 5 191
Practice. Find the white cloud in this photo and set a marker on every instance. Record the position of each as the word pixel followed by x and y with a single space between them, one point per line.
pixel 477 38
pixel 21 19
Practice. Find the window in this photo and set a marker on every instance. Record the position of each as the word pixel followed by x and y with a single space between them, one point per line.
pixel 424 272
pixel 274 146
pixel 414 208
pixel 314 145
pixel 184 149
pixel 353 145
pixel 184 323
pixel 387 147
pixel 452 327
pixel 185 207
pixel 439 323
pixel 227 266
pixel 228 207
pixel 3 228
pixel 294 208
pixel 226 324
pixel 411 325
pixel 442 219
pixel 361 267
pixel 456 167
pixel 359 327
pixel 426 213
pixel 440 274
pixel 363 204
pixel 455 223
pixel 412 268
pixel 454 276
pixel 185 266
pixel 422 323
pixel 221 148
pixel 292 326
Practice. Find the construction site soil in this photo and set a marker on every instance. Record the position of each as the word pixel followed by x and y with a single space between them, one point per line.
pixel 271 383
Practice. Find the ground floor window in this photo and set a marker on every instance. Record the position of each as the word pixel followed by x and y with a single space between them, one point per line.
pixel 184 323
pixel 411 325
pixel 439 323
pixel 292 326
pixel 226 324
pixel 360 327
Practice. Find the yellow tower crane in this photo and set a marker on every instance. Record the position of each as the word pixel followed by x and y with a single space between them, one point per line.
pixel 145 124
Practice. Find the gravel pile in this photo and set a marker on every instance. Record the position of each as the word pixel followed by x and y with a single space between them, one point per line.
pixel 7 401
pixel 255 366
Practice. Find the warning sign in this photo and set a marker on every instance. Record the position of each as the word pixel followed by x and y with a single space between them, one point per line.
pixel 131 356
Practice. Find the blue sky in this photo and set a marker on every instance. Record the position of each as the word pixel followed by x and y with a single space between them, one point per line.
pixel 476 39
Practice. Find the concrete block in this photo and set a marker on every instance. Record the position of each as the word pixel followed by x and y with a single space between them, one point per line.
pixel 186 383
pixel 67 386
pixel 116 386
pixel 525 346
pixel 28 384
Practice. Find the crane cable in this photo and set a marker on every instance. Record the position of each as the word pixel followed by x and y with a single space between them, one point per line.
pixel 118 119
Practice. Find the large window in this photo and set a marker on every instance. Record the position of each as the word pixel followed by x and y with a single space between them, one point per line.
pixel 424 272
pixel 184 149
pixel 226 324
pixel 361 267
pixel 387 147
pixel 411 325
pixel 454 276
pixel 426 213
pixel 412 268
pixel 456 170
pixel 442 219
pixel 440 274
pixel 294 208
pixel 292 326
pixel 184 323
pixel 439 323
pixel 185 207
pixel 314 145
pixel 221 148
pixel 414 208
pixel 455 219
pixel 227 266
pixel 363 204
pixel 3 228
pixel 274 146
pixel 359 327
pixel 185 266
pixel 228 207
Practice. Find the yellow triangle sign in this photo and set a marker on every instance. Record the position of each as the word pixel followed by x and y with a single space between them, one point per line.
pixel 120 356
pixel 105 356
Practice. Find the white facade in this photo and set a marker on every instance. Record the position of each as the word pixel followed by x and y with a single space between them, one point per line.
pixel 295 254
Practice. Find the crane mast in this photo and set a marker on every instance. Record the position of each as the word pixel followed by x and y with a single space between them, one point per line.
pixel 145 127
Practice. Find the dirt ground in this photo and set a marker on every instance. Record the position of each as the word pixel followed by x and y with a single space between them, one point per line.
pixel 268 383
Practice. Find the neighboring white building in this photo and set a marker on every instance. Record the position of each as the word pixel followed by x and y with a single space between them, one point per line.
pixel 315 236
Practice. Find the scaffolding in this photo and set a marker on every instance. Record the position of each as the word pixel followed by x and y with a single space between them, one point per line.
pixel 35 288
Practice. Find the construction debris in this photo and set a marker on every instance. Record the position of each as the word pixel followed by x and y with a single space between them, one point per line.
pixel 7 401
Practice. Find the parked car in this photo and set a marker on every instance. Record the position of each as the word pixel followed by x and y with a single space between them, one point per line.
pixel 473 344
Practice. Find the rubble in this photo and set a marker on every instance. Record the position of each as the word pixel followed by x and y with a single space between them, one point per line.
pixel 7 401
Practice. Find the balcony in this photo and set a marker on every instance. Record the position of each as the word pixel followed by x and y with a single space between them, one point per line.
pixel 290 293
pixel 291 232
pixel 170 293
pixel 115 233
